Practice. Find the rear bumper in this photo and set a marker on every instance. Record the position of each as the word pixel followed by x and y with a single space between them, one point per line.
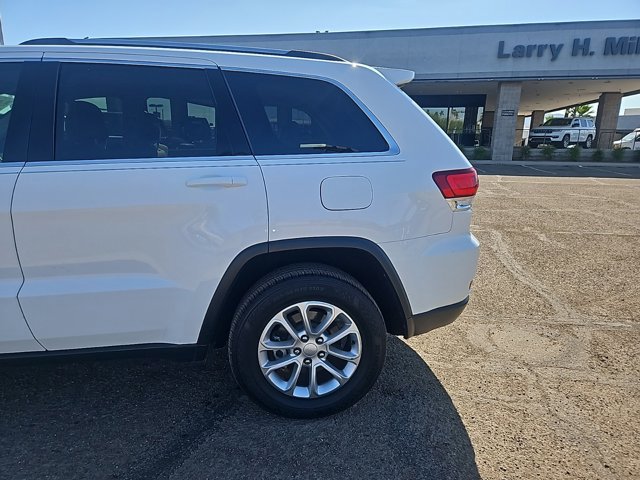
pixel 439 317
pixel 435 271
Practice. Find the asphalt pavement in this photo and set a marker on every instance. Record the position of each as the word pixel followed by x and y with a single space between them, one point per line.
pixel 550 169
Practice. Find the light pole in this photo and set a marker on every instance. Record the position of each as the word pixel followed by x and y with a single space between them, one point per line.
pixel 1 38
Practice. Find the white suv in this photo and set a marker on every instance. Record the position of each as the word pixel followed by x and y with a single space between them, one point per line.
pixel 291 205
pixel 563 132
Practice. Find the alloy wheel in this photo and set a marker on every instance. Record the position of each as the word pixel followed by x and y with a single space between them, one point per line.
pixel 309 349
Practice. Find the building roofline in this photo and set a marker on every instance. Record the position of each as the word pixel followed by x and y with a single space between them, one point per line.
pixel 450 30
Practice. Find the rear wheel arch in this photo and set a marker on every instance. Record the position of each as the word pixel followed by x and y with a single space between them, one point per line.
pixel 358 257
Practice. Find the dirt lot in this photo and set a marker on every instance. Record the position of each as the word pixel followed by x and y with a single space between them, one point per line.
pixel 540 378
pixel 544 366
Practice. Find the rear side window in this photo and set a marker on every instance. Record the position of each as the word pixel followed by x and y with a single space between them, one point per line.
pixel 290 115
pixel 9 76
pixel 126 111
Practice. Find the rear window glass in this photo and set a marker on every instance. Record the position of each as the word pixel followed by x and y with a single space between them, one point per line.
pixel 291 115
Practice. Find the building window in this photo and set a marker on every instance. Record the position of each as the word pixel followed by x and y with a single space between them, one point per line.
pixel 462 124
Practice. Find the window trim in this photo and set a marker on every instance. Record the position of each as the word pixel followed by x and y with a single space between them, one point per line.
pixel 393 150
pixel 20 124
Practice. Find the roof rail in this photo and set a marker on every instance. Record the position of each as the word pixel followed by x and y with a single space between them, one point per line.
pixel 131 42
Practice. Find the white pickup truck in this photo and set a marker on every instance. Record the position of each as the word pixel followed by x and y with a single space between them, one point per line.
pixel 562 132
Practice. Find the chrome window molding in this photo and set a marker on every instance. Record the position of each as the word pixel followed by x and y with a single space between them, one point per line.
pixel 140 163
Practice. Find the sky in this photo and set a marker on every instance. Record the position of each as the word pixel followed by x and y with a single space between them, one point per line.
pixel 25 19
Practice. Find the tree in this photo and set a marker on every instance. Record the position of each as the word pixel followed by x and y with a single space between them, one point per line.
pixel 579 111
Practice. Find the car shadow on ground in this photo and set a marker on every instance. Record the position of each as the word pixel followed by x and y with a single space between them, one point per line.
pixel 160 419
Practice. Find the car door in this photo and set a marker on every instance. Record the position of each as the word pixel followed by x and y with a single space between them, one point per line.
pixel 128 215
pixel 584 131
pixel 14 126
pixel 575 131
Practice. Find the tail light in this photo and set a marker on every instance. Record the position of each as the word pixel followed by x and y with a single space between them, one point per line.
pixel 458 187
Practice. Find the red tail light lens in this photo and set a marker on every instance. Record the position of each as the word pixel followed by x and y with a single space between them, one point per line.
pixel 457 183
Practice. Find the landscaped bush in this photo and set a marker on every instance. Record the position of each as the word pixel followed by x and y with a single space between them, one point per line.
pixel 481 153
pixel 574 153
pixel 525 151
pixel 617 154
pixel 597 155
pixel 547 151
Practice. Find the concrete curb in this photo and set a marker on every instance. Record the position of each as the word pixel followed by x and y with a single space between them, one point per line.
pixel 556 164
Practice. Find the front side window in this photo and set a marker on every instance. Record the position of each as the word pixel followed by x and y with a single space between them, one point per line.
pixel 127 112
pixel 9 75
pixel 290 115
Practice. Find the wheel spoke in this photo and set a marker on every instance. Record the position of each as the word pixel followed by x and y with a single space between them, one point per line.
pixel 313 381
pixel 343 355
pixel 340 334
pixel 293 380
pixel 273 345
pixel 280 319
pixel 335 373
pixel 331 314
pixel 272 365
pixel 305 317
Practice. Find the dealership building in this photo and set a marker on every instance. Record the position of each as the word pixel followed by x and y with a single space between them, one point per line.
pixel 480 83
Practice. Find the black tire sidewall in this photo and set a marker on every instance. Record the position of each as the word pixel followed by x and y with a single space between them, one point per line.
pixel 588 142
pixel 356 304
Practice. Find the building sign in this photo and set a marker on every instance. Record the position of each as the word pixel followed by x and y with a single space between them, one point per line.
pixel 507 113
pixel 581 47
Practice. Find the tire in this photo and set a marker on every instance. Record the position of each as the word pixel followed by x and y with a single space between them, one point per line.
pixel 258 329
pixel 588 142
pixel 566 141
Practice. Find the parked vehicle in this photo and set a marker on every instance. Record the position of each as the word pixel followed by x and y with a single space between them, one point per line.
pixel 563 132
pixel 631 141
pixel 165 198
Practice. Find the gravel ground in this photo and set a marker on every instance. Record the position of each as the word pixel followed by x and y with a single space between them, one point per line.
pixel 539 378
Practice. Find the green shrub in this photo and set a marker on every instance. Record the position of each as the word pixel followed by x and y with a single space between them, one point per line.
pixel 597 155
pixel 525 152
pixel 481 153
pixel 574 153
pixel 617 154
pixel 547 151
